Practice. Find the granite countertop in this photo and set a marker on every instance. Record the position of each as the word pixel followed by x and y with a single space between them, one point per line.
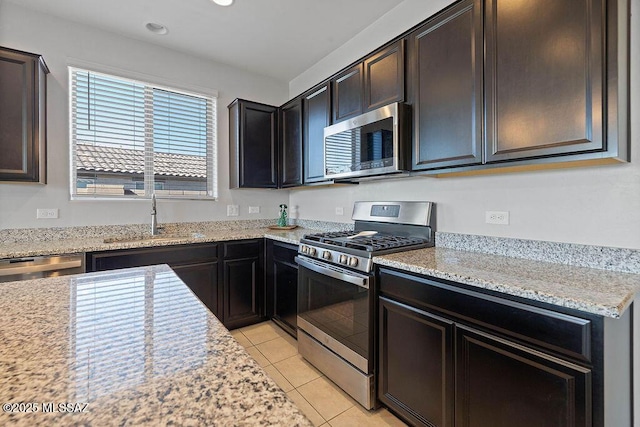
pixel 600 292
pixel 83 244
pixel 127 347
pixel 593 290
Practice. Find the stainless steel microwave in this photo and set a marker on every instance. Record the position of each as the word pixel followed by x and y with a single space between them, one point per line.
pixel 367 145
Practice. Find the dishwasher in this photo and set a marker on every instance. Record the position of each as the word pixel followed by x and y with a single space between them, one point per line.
pixel 41 266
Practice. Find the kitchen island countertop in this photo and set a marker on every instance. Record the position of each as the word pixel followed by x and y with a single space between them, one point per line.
pixel 126 347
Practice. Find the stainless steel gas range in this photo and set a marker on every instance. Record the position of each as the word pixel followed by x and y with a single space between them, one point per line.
pixel 337 290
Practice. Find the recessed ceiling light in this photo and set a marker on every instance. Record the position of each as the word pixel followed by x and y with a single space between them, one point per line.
pixel 156 28
pixel 223 2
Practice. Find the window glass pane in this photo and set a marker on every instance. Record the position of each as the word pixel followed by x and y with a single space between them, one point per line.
pixel 132 139
pixel 179 143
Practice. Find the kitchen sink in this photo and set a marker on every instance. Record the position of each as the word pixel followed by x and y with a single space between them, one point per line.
pixel 150 238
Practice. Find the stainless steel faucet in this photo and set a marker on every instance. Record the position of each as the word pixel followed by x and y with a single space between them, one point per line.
pixel 154 219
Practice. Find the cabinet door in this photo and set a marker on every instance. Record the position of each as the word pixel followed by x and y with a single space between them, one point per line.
pixel 242 292
pixel 22 117
pixel 384 77
pixel 202 279
pixel 286 294
pixel 503 384
pixel 347 93
pixel 317 116
pixel 544 78
pixel 416 364
pixel 253 150
pixel 446 58
pixel 291 144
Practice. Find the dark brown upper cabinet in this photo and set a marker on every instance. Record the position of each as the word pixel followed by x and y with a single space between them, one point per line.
pixel 253 145
pixel 446 67
pixel 384 77
pixel 291 144
pixel 316 105
pixel 376 81
pixel 347 93
pixel 528 90
pixel 545 78
pixel 23 116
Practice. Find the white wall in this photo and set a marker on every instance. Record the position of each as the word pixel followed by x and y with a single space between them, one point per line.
pixel 597 205
pixel 60 41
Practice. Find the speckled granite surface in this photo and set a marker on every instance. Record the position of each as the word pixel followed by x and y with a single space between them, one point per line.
pixel 601 292
pixel 127 347
pixel 89 244
pixel 601 257
pixel 33 235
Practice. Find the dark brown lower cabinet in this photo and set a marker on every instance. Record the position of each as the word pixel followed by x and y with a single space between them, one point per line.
pixel 449 355
pixel 243 290
pixel 498 383
pixel 196 265
pixel 202 279
pixel 227 277
pixel 502 384
pixel 416 361
pixel 282 285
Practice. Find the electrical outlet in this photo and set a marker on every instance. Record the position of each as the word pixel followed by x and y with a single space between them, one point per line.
pixel 497 217
pixel 233 210
pixel 254 209
pixel 47 213
pixel 339 210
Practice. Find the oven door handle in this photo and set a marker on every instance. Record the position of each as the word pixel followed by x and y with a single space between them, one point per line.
pixel 335 272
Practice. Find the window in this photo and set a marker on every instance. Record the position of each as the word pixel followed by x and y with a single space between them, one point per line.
pixel 131 139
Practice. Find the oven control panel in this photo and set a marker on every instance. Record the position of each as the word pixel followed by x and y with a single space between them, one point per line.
pixel 355 262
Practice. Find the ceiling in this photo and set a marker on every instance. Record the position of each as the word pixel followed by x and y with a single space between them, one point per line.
pixel 277 38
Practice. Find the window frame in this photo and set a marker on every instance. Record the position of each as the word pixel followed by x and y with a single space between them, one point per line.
pixel 149 183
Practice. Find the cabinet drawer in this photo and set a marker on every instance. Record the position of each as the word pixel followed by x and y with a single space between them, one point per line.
pixel 285 253
pixel 558 332
pixel 243 248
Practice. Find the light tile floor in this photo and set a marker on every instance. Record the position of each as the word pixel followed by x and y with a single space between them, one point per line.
pixel 324 403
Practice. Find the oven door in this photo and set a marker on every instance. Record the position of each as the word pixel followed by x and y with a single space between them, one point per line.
pixel 335 308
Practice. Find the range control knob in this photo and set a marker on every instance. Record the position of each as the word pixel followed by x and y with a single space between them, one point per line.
pixel 312 251
pixel 353 262
pixel 343 259
pixel 304 249
pixel 326 255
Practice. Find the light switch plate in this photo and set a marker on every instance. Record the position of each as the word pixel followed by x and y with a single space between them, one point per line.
pixel 254 209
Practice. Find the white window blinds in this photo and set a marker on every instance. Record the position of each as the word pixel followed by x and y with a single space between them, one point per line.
pixel 131 139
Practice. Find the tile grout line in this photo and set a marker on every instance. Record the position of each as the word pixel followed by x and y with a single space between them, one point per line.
pixel 311 404
pixel 326 422
pixel 282 373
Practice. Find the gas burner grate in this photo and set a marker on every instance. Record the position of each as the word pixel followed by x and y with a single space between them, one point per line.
pixel 329 237
pixel 378 242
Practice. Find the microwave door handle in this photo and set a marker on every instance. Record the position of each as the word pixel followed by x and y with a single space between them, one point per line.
pixel 343 275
